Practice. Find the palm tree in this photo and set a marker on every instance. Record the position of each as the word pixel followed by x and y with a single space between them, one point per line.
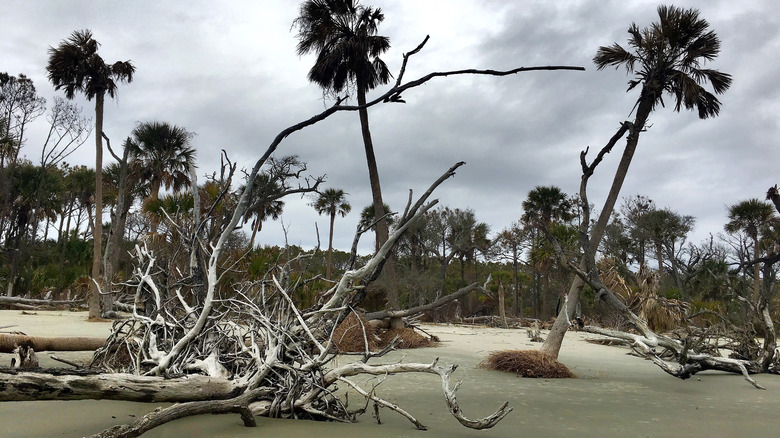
pixel 264 203
pixel 750 217
pixel 332 202
pixel 368 216
pixel 76 67
pixel 342 33
pixel 667 57
pixel 546 204
pixel 162 154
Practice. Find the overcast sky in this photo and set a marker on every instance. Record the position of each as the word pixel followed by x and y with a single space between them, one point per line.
pixel 228 72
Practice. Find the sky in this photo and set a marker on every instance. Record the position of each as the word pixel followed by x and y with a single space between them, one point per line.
pixel 228 71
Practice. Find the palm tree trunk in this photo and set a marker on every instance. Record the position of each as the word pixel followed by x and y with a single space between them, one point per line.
pixel 382 231
pixel 373 172
pixel 756 270
pixel 516 281
pixel 154 195
pixel 552 345
pixel 329 268
pixel 255 228
pixel 94 302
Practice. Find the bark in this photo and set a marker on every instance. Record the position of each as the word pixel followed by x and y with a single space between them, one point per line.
pixel 97 235
pixel 39 343
pixel 382 230
pixel 36 386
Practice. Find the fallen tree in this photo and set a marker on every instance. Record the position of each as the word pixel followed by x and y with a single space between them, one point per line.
pixel 253 350
pixel 9 341
pixel 31 303
pixel 394 318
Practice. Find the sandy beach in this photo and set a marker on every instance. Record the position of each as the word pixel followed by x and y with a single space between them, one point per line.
pixel 616 395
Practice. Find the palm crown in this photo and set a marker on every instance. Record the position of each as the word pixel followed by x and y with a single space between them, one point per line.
pixel 343 35
pixel 75 66
pixel 669 57
pixel 332 202
pixel 163 154
pixel 749 216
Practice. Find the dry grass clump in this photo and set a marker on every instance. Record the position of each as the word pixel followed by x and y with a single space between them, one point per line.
pixel 407 337
pixel 527 363
pixel 348 336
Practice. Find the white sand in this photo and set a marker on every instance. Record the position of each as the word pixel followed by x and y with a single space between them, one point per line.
pixel 617 395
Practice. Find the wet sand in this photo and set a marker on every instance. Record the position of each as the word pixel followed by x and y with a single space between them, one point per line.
pixel 616 395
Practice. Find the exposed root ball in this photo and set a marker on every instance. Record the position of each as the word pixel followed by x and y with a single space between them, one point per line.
pixel 527 363
pixel 408 338
pixel 348 336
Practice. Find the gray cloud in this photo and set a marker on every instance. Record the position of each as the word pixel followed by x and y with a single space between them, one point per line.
pixel 230 74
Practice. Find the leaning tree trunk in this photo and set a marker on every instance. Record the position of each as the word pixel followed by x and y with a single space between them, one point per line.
pixel 552 345
pixel 376 194
pixel 97 235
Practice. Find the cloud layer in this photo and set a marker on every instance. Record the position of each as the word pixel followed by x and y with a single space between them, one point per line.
pixel 230 74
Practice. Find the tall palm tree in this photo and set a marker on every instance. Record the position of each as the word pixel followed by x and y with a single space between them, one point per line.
pixel 544 206
pixel 332 202
pixel 76 67
pixel 666 57
pixel 342 33
pixel 750 217
pixel 163 155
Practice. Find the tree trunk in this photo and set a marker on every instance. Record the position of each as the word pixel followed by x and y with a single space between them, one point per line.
pixel 516 281
pixel 376 193
pixel 97 235
pixel 501 301
pixel 756 270
pixel 552 345
pixel 32 386
pixel 115 234
pixel 154 195
pixel 8 342
pixel 256 226
pixel 329 268
pixel 425 307
pixel 659 254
